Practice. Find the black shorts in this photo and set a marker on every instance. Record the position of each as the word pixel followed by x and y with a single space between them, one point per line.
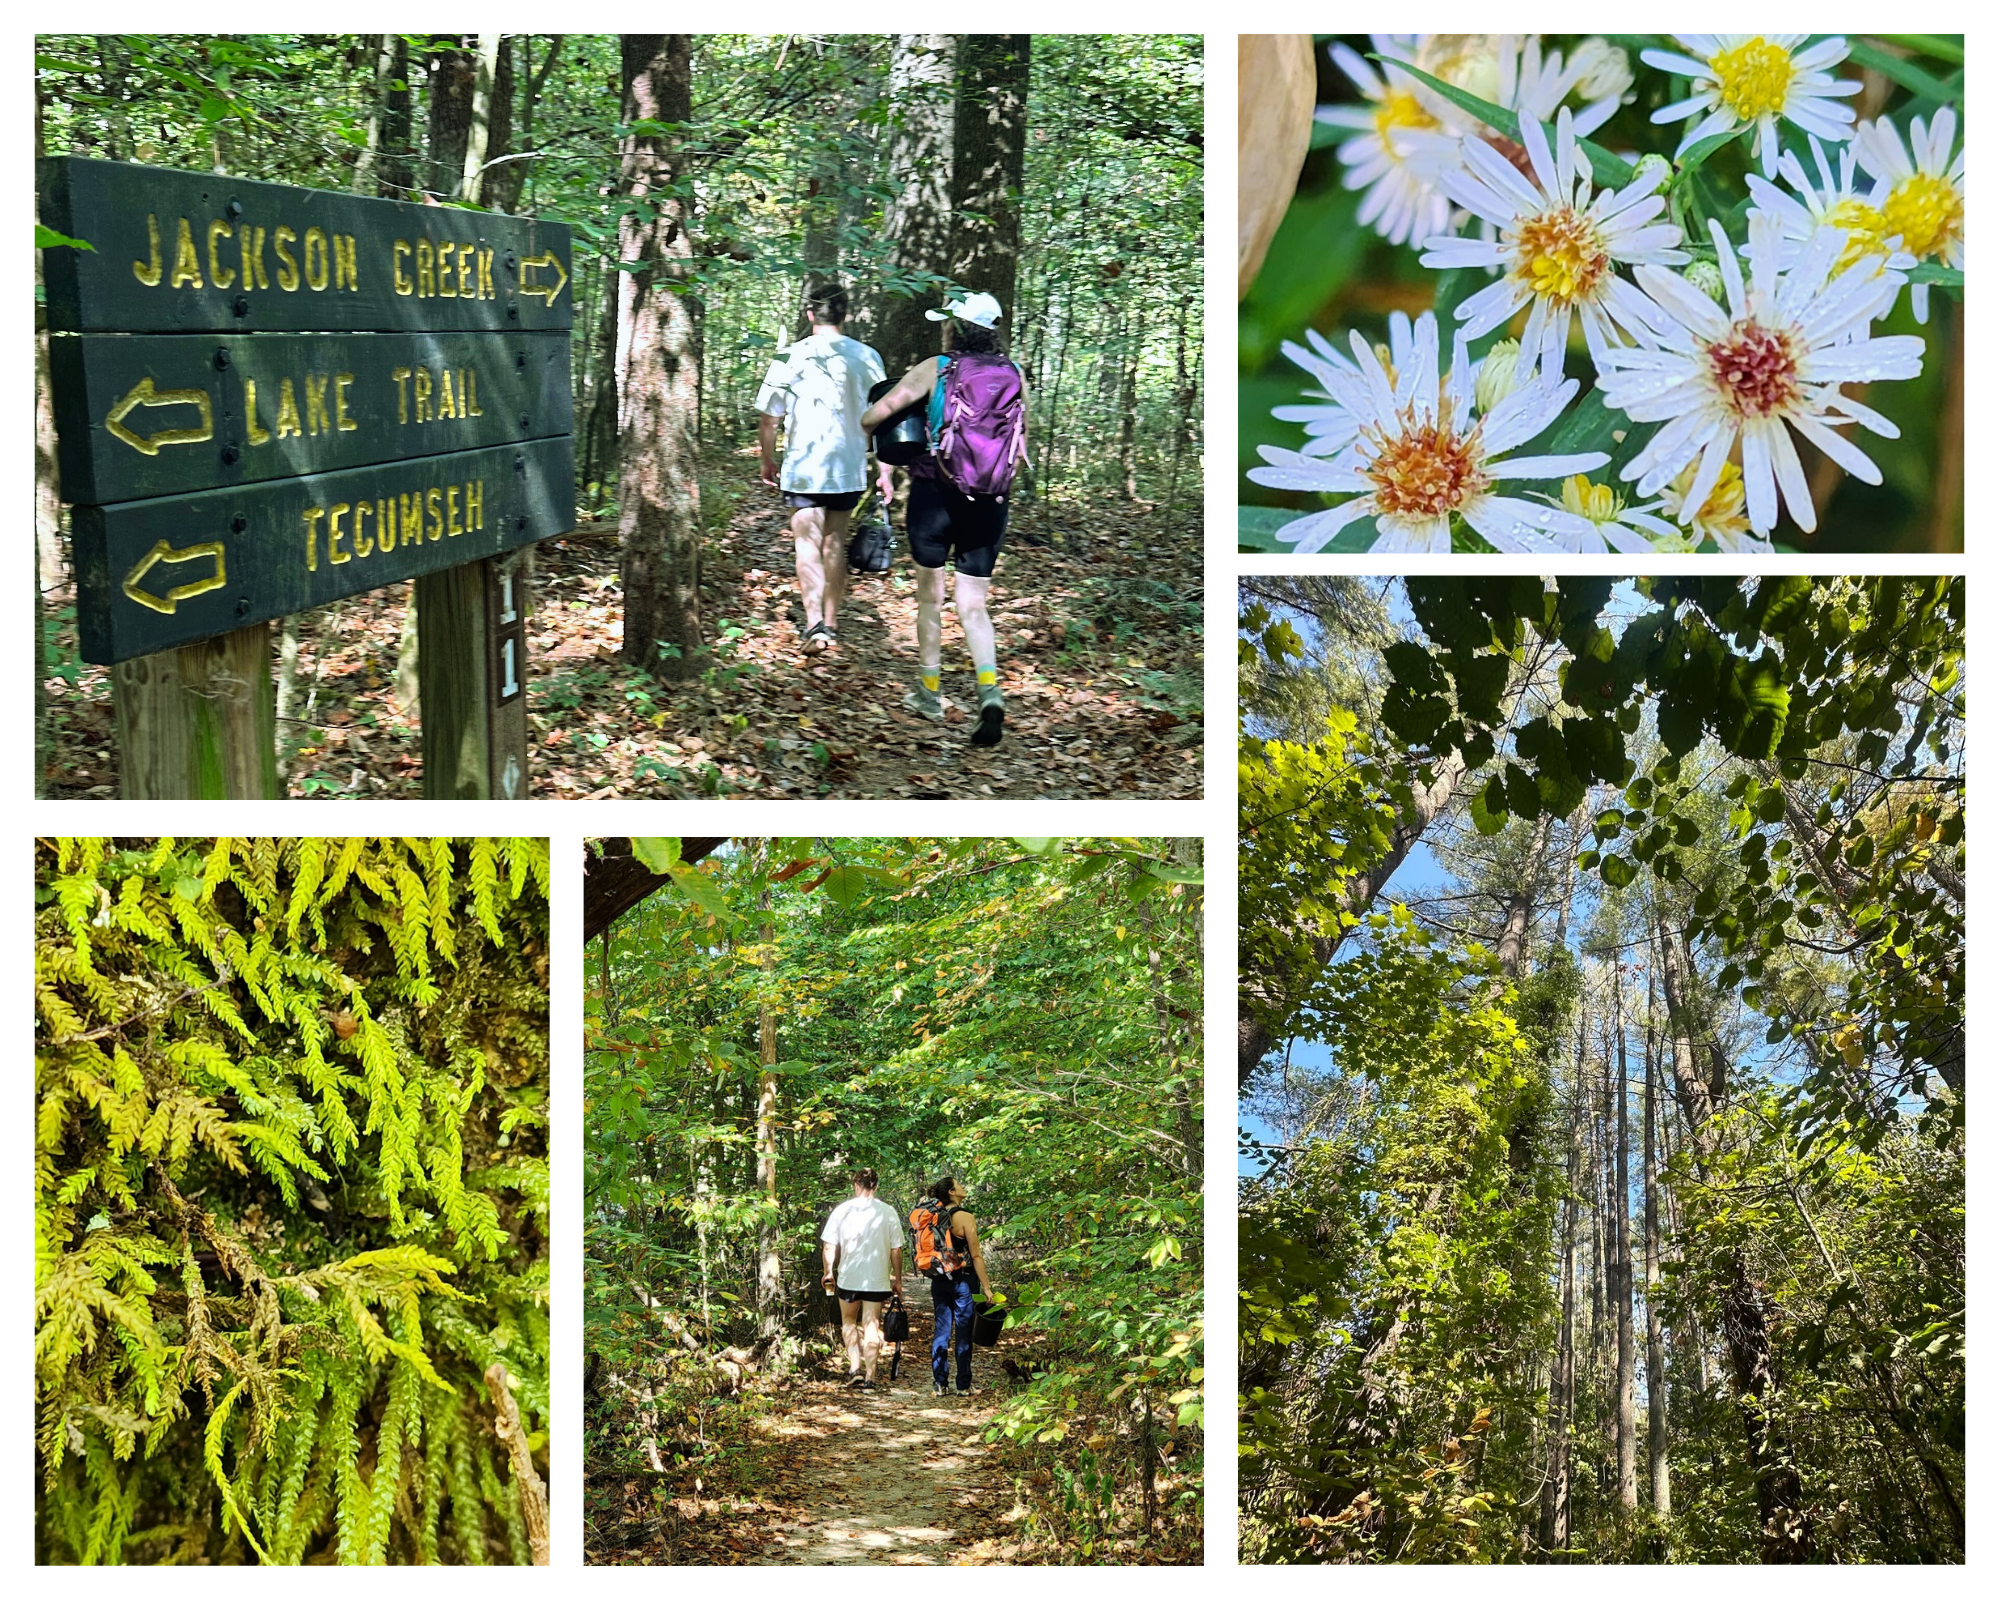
pixel 852 1295
pixel 942 523
pixel 832 502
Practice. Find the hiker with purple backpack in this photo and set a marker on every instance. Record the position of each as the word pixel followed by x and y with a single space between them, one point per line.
pixel 957 511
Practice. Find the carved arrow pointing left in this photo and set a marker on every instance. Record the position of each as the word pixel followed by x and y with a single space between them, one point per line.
pixel 184 591
pixel 144 394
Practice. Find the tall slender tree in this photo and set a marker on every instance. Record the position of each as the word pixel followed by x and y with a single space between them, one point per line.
pixel 917 219
pixel 1656 1360
pixel 989 139
pixel 1621 1233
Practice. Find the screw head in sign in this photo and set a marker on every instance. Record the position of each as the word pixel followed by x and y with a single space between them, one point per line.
pixel 520 462
pixel 243 605
pixel 520 359
pixel 513 312
pixel 521 524
pixel 238 523
pixel 524 419
pixel 231 455
pixel 242 305
pixel 221 360
pixel 235 208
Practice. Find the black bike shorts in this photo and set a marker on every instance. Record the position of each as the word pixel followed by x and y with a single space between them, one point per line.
pixel 943 523
pixel 852 1295
pixel 832 502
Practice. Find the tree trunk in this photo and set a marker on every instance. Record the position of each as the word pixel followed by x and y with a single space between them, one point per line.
pixel 917 218
pixel 454 73
pixel 600 452
pixel 658 366
pixel 366 164
pixel 1128 415
pixel 1621 1220
pixel 989 137
pixel 770 1282
pixel 1554 1529
pixel 1656 1360
pixel 1173 1039
pixel 479 132
pixel 1267 1002
pixel 394 177
pixel 1184 399
pixel 1511 950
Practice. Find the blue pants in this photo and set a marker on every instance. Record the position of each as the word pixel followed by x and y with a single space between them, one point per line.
pixel 951 1310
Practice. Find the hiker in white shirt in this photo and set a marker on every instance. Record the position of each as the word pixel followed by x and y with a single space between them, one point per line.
pixel 820 388
pixel 862 1244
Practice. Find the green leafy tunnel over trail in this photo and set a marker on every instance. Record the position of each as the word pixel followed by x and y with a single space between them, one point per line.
pixel 1022 1013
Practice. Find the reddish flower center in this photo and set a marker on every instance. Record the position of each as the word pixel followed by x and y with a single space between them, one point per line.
pixel 1427 468
pixel 1756 369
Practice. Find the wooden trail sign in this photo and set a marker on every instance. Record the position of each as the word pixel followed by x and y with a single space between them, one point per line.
pixel 268 398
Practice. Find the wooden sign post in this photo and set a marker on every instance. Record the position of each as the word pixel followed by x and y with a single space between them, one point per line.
pixel 277 397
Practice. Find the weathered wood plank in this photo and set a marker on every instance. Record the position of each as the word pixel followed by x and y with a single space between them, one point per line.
pixel 469 644
pixel 198 723
pixel 177 252
pixel 152 574
pixel 139 415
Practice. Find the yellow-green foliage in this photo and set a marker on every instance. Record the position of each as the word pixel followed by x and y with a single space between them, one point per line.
pixel 291 1196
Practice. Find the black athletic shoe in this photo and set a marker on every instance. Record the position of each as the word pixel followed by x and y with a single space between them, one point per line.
pixel 991 716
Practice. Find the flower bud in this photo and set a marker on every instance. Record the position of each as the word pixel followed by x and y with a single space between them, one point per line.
pixel 1656 167
pixel 1707 277
pixel 1496 379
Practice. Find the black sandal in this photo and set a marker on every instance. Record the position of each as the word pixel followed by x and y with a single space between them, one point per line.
pixel 819 630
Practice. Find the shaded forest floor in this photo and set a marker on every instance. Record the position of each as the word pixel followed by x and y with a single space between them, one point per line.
pixel 1099 629
pixel 814 1473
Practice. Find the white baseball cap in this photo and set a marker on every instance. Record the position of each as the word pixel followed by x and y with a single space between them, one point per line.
pixel 982 310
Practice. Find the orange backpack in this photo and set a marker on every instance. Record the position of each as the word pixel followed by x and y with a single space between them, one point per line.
pixel 938 1253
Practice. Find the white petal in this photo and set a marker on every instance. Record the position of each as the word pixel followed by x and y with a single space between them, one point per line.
pixel 1317 531
pixel 1791 477
pixel 1547 466
pixel 1841 450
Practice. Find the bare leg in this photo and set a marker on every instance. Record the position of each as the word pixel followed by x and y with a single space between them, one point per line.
pixel 850 1334
pixel 871 1337
pixel 930 625
pixel 808 532
pixel 833 551
pixel 969 595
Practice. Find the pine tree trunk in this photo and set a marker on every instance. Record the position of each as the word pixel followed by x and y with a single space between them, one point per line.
pixel 917 219
pixel 1656 1360
pixel 1621 1219
pixel 989 138
pixel 770 1281
pixel 658 368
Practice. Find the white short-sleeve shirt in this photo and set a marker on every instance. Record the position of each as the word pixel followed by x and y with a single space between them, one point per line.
pixel 866 1230
pixel 820 387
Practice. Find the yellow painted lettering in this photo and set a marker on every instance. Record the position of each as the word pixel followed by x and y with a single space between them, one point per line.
pixel 148 271
pixel 251 241
pixel 341 419
pixel 423 395
pixel 475 504
pixel 313 514
pixel 385 524
pixel 447 406
pixel 486 276
pixel 451 522
pixel 334 531
pixel 219 275
pixel 434 525
pixel 465 288
pixel 468 393
pixel 364 543
pixel 288 269
pixel 317 421
pixel 316 252
pixel 344 275
pixel 288 409
pixel 258 433
pixel 413 518
pixel 397 251
pixel 187 265
pixel 426 282
pixel 445 290
pixel 401 378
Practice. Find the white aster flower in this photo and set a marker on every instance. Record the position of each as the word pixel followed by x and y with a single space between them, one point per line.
pixel 1720 519
pixel 1399 133
pixel 1561 242
pixel 1774 357
pixel 1920 192
pixel 1753 79
pixel 1329 425
pixel 1423 454
pixel 1609 523
pixel 1832 203
pixel 1534 84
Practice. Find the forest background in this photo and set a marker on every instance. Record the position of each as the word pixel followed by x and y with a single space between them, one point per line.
pixel 1022 1012
pixel 1602 1050
pixel 715 175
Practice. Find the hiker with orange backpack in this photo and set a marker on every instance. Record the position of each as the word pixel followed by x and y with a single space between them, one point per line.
pixel 959 493
pixel 948 1253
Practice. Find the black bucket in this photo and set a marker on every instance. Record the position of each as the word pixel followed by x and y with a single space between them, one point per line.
pixel 987 1321
pixel 904 437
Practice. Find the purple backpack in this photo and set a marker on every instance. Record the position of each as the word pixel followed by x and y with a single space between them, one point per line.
pixel 977 423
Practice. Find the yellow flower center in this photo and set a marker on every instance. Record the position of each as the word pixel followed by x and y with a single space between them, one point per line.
pixel 1928 212
pixel 1427 468
pixel 1722 513
pixel 1399 109
pixel 1866 228
pixel 1560 255
pixel 1597 501
pixel 1754 78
